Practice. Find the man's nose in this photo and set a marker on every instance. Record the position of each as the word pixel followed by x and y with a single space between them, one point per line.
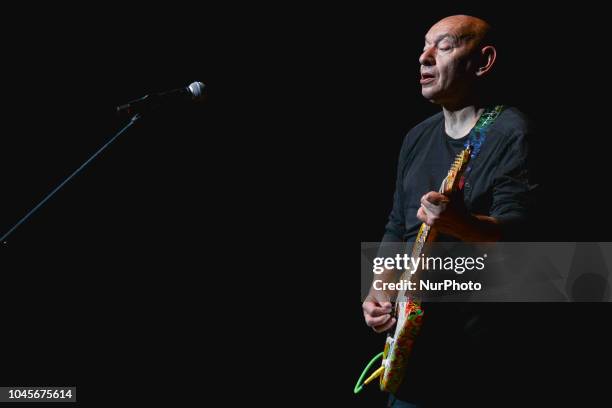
pixel 427 57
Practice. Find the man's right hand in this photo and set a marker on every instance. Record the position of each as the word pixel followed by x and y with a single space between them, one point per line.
pixel 378 315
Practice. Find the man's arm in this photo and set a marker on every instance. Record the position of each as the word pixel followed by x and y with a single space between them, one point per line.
pixel 512 195
pixel 377 306
pixel 449 216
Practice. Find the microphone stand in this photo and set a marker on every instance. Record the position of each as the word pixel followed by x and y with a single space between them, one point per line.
pixel 67 179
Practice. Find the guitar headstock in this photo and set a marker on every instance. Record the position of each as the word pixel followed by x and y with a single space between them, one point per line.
pixel 456 171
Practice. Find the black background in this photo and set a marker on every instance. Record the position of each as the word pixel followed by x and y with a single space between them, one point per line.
pixel 123 277
pixel 95 291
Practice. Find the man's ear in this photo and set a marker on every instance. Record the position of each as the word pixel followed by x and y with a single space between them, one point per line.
pixel 488 55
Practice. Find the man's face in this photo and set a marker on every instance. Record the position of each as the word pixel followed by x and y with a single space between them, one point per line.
pixel 447 63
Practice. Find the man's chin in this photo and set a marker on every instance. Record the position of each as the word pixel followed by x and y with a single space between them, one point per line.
pixel 430 96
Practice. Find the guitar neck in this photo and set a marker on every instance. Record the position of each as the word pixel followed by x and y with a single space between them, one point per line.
pixel 426 235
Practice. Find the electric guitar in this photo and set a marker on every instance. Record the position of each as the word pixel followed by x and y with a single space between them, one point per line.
pixel 408 311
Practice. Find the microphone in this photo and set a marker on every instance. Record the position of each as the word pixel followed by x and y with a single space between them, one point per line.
pixel 193 93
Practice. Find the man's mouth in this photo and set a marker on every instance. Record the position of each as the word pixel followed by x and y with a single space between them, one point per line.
pixel 426 78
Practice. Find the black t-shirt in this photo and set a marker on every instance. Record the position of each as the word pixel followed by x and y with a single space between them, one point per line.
pixel 460 349
pixel 498 184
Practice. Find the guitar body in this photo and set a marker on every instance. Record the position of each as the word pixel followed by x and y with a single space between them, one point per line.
pixel 399 347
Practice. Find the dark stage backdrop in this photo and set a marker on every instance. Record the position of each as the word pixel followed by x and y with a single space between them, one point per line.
pixel 269 186
pixel 95 289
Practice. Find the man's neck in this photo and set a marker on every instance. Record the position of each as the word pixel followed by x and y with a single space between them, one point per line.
pixel 459 121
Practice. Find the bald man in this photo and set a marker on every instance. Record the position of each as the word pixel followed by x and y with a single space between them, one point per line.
pixel 457 59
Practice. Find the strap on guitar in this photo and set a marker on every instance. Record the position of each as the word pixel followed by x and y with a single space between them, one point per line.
pixel 478 135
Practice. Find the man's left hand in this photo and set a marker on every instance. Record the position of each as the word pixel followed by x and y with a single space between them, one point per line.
pixel 448 215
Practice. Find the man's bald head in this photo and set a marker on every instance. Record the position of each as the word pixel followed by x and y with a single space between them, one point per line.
pixel 473 30
pixel 458 53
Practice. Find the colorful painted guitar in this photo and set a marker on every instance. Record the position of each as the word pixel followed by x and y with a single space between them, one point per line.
pixel 408 311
